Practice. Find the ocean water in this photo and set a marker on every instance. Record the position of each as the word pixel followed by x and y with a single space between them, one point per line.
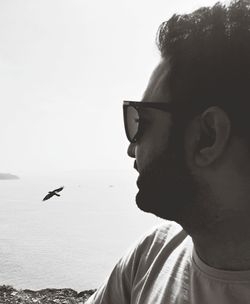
pixel 69 241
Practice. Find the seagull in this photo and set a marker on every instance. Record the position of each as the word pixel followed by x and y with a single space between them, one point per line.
pixel 52 193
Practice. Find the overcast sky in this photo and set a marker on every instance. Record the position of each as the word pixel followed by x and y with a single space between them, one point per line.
pixel 65 67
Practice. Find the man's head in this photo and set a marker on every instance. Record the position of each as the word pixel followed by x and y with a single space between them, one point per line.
pixel 188 160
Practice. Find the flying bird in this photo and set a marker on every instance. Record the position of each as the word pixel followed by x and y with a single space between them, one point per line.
pixel 52 193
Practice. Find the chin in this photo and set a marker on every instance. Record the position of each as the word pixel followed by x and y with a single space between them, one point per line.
pixel 159 205
pixel 142 203
pixel 167 188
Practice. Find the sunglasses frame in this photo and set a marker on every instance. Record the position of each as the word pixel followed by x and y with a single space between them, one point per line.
pixel 163 106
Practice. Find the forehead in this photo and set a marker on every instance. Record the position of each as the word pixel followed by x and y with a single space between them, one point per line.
pixel 157 90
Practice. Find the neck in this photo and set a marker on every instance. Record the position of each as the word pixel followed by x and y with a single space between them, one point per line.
pixel 220 221
pixel 227 244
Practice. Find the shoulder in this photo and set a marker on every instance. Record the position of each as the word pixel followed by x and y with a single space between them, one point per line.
pixel 160 235
pixel 143 255
pixel 159 240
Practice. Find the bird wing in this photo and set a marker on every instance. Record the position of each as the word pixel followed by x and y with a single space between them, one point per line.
pixel 48 196
pixel 59 189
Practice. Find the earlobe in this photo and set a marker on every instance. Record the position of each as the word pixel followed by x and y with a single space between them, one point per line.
pixel 215 128
pixel 205 157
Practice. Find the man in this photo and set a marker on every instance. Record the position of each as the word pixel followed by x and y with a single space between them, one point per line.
pixel 190 140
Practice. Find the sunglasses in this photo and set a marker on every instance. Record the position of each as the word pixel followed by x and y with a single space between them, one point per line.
pixel 131 116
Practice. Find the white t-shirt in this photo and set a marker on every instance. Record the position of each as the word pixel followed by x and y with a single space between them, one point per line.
pixel 164 268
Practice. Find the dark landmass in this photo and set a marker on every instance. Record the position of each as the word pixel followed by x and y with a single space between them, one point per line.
pixel 9 295
pixel 8 176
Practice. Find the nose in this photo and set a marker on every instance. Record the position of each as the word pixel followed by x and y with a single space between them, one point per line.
pixel 131 150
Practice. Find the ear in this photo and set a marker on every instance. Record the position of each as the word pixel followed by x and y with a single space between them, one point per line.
pixel 212 136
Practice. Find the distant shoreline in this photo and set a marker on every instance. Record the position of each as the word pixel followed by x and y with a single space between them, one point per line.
pixel 8 294
pixel 8 176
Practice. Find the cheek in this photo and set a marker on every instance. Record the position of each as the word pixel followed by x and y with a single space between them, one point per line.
pixel 154 140
pixel 151 146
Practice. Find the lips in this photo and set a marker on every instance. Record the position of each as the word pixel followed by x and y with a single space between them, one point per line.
pixel 131 150
pixel 138 183
pixel 138 179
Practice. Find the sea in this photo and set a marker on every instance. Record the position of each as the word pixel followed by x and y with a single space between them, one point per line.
pixel 71 241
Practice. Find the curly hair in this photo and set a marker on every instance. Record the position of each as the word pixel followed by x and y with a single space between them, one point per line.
pixel 209 60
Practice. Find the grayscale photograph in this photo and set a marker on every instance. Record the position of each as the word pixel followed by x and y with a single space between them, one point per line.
pixel 125 145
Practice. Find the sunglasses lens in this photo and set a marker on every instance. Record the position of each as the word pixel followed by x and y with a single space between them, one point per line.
pixel 132 122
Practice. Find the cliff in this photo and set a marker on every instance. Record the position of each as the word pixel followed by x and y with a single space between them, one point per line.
pixel 9 295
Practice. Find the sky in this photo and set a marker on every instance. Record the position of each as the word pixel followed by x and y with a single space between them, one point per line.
pixel 65 68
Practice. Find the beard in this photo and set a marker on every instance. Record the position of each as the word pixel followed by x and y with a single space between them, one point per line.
pixel 169 190
pixel 166 186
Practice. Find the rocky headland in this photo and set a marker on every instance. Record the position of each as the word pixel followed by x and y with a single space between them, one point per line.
pixel 8 176
pixel 10 295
